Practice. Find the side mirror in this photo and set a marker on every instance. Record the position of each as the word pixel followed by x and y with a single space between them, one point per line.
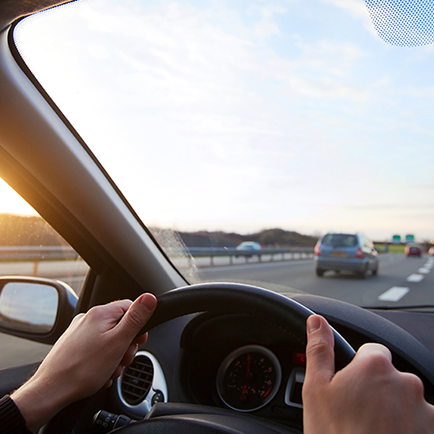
pixel 35 308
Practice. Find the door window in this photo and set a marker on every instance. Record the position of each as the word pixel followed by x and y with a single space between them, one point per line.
pixel 29 246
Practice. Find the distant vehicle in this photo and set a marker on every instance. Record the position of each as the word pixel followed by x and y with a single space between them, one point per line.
pixel 413 249
pixel 248 245
pixel 346 252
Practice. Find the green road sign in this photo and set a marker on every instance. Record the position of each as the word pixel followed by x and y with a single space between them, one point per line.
pixel 409 238
pixel 396 239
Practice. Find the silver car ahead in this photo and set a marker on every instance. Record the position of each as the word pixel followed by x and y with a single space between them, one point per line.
pixel 350 252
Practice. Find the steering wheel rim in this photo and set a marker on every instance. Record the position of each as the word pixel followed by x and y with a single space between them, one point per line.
pixel 227 298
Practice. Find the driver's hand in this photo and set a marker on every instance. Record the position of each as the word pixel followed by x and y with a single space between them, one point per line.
pixel 367 396
pixel 90 354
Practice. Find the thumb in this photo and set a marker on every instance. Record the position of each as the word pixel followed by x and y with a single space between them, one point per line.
pixel 320 354
pixel 136 316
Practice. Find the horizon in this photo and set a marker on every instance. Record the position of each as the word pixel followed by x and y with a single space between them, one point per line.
pixel 314 234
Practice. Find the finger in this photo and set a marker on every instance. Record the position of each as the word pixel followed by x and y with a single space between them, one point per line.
pixel 119 308
pixel 117 372
pixel 372 349
pixel 320 354
pixel 129 355
pixel 141 339
pixel 136 316
pixel 108 315
pixel 374 360
pixel 414 385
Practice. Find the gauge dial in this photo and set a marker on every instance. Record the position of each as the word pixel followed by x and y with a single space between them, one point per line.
pixel 248 378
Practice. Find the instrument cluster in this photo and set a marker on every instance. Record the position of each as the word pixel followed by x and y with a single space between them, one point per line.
pixel 243 363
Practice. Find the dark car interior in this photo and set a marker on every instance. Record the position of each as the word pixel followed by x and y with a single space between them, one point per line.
pixel 202 336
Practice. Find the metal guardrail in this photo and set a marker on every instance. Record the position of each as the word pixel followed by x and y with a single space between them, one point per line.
pixel 23 253
pixel 38 254
pixel 274 254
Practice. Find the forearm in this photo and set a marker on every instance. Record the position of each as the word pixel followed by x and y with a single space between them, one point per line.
pixel 39 401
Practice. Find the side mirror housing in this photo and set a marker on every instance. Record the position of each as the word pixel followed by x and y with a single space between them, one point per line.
pixel 37 309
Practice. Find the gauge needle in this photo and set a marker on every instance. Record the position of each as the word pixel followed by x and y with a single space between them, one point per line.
pixel 243 393
pixel 267 392
pixel 248 375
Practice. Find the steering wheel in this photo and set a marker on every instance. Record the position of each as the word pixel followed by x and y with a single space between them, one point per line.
pixel 227 298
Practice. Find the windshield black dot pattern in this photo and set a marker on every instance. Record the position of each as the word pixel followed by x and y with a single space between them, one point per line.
pixel 404 23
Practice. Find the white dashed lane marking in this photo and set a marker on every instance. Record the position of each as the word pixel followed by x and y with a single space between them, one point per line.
pixel 415 278
pixel 394 294
pixel 397 292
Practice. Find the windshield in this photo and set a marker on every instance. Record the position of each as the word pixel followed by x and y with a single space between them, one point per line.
pixel 340 240
pixel 266 122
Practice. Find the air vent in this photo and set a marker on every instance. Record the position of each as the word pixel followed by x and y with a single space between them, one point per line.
pixel 137 380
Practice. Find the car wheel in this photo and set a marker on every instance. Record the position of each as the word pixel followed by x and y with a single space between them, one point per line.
pixel 364 274
pixel 319 272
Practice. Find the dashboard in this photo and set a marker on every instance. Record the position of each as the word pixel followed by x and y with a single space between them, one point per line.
pixel 249 365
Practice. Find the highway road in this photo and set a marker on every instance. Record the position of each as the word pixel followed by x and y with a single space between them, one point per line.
pixel 401 281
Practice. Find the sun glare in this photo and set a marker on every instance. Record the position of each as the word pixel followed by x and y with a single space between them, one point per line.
pixel 12 202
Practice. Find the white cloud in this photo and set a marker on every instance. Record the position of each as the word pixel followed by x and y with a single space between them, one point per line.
pixel 358 10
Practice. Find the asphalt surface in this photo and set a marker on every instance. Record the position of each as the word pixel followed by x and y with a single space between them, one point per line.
pixel 401 281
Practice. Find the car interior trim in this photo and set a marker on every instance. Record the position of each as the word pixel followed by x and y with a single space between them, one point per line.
pixel 295 381
pixel 159 384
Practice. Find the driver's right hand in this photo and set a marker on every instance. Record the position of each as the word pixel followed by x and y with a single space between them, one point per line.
pixel 367 396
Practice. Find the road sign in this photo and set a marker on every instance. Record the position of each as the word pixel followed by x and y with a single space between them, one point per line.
pixel 396 239
pixel 409 238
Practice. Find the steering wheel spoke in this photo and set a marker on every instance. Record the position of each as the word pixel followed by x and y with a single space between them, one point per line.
pixel 227 298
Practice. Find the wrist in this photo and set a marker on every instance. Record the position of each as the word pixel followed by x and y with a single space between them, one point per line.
pixel 38 402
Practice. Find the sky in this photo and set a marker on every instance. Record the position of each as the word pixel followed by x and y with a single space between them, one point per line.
pixel 246 115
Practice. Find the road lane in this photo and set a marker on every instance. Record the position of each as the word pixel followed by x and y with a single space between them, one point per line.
pixel 300 276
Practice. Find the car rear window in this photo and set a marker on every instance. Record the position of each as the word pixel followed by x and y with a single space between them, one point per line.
pixel 340 240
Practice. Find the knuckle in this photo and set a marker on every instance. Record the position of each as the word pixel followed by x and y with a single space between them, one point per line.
pixel 317 347
pixel 77 318
pixel 379 364
pixel 94 311
pixel 134 319
pixel 414 384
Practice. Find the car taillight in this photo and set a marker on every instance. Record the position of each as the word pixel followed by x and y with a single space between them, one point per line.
pixel 359 253
pixel 317 250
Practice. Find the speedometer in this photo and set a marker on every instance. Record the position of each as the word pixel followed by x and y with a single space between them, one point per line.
pixel 249 378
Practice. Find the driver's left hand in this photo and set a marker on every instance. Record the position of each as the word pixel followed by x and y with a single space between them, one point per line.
pixel 90 354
